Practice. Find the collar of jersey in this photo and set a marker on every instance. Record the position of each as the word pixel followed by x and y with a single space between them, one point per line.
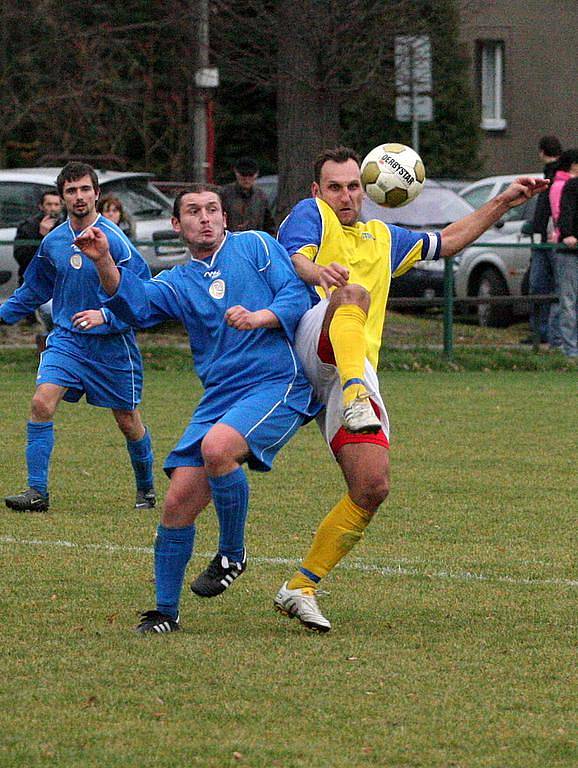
pixel 214 256
pixel 84 229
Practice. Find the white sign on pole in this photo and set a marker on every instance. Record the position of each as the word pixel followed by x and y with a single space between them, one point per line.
pixel 413 78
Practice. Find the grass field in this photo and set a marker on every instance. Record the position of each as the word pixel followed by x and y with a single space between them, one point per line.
pixel 453 641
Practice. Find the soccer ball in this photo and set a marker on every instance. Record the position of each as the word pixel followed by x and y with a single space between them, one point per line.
pixel 392 175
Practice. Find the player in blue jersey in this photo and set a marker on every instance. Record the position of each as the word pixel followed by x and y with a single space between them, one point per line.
pixel 240 302
pixel 90 352
pixel 349 266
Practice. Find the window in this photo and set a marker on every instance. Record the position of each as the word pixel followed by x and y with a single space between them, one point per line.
pixel 478 196
pixel 492 84
pixel 19 201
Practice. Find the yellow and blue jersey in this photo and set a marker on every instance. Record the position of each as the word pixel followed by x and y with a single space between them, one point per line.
pixel 372 251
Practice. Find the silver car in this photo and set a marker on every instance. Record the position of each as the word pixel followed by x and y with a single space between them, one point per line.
pixel 150 211
pixel 498 264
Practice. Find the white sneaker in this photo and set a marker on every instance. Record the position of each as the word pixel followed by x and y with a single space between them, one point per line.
pixel 302 604
pixel 359 417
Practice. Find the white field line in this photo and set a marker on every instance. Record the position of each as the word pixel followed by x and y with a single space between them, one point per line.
pixel 349 565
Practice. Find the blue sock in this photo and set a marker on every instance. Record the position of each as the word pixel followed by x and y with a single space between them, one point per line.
pixel 173 550
pixel 141 457
pixel 39 445
pixel 231 499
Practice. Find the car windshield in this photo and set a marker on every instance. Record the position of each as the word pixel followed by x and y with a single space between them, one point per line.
pixel 435 207
pixel 141 199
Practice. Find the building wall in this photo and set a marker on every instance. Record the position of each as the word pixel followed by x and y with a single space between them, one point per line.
pixel 540 93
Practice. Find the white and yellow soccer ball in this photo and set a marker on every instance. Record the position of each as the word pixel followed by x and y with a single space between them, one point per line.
pixel 392 175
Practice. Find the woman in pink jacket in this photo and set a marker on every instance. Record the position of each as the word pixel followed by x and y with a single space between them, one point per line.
pixel 563 315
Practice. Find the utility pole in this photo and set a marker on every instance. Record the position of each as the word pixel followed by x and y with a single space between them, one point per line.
pixel 206 79
pixel 199 108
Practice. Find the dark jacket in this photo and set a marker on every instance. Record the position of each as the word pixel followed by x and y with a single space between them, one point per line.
pixel 247 210
pixel 568 219
pixel 28 230
pixel 542 212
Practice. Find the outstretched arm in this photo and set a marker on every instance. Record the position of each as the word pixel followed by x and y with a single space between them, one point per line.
pixel 94 244
pixel 463 232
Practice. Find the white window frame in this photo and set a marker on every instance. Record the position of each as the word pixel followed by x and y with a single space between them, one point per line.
pixel 492 85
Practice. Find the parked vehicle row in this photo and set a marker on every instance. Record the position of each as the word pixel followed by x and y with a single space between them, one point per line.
pixel 149 210
pixel 494 266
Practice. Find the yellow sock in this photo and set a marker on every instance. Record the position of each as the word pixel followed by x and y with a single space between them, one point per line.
pixel 337 534
pixel 347 335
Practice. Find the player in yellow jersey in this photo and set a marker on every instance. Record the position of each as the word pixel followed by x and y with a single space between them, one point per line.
pixel 349 266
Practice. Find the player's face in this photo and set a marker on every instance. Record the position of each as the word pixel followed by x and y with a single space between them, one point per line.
pixel 340 187
pixel 80 198
pixel 202 223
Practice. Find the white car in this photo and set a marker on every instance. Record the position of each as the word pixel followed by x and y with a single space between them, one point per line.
pixel 493 267
pixel 149 210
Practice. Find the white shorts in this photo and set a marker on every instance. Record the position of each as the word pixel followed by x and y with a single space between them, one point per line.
pixel 327 386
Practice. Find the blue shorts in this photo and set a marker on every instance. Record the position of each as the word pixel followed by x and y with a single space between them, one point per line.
pixel 105 368
pixel 265 423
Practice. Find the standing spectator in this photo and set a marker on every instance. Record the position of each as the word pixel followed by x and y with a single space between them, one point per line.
pixel 564 202
pixel 245 204
pixel 90 352
pixel 112 209
pixel 35 228
pixel 542 261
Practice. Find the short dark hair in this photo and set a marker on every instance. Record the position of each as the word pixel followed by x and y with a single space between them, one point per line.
pixel 550 145
pixel 337 155
pixel 567 159
pixel 246 166
pixel 53 192
pixel 194 189
pixel 73 171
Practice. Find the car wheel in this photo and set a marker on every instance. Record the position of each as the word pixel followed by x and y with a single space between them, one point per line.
pixel 491 283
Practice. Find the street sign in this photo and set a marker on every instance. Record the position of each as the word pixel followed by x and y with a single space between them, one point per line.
pixel 422 109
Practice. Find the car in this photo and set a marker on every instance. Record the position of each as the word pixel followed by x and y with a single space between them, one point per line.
pixel 479 192
pixel 150 211
pixel 435 208
pixel 499 263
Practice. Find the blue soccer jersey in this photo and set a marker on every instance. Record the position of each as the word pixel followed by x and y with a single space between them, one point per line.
pixel 249 269
pixel 60 271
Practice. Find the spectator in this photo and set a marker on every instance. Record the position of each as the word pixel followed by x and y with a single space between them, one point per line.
pixel 112 208
pixel 245 204
pixel 34 229
pixel 542 261
pixel 564 202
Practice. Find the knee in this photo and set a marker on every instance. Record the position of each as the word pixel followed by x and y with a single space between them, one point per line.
pixel 371 494
pixel 129 424
pixel 354 294
pixel 178 511
pixel 41 409
pixel 217 454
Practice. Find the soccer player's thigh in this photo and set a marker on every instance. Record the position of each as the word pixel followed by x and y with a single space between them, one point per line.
pixel 187 496
pixel 266 422
pixel 365 467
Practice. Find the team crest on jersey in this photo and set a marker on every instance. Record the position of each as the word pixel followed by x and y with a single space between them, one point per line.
pixel 76 260
pixel 217 289
pixel 367 236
